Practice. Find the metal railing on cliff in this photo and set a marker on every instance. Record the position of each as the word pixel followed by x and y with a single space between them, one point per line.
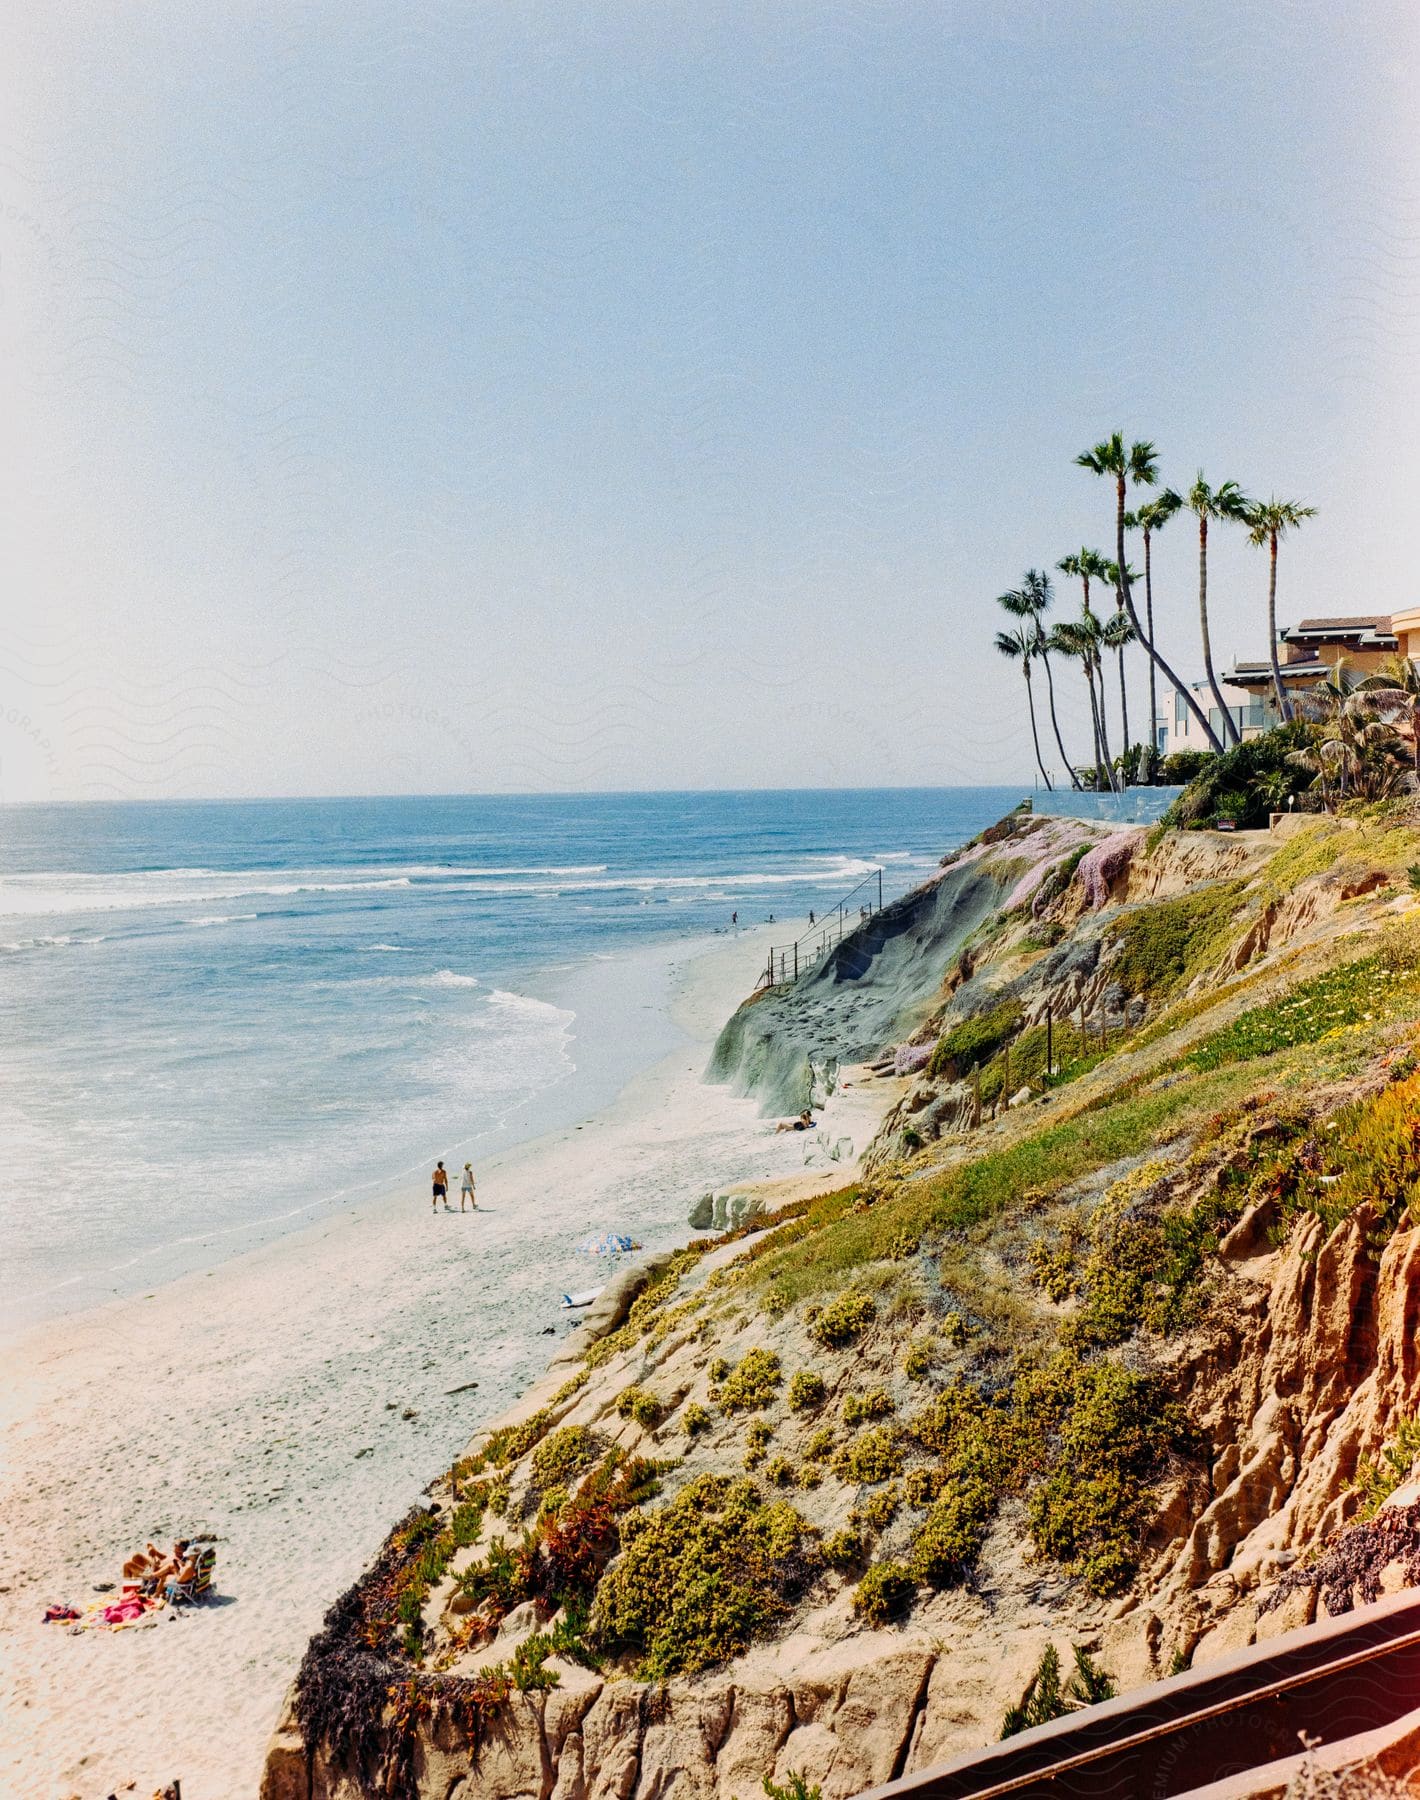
pixel 787 962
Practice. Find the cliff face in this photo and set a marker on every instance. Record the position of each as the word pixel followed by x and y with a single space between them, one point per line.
pixel 888 975
pixel 1098 1368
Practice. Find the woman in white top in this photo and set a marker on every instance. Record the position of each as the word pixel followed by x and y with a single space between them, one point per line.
pixel 466 1189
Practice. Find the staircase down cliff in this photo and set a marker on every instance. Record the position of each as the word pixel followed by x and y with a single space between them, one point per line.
pixel 878 986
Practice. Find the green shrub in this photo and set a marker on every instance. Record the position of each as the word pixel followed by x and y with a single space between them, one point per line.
pixel 922 1486
pixel 795 1788
pixel 820 1444
pixel 884 1593
pixel 750 1385
pixel 918 1362
pixel 810 1476
pixel 759 1433
pixel 1164 943
pixel 694 1419
pixel 1181 766
pixel 844 1549
pixel 1257 770
pixel 699 1579
pixel 561 1455
pixel 880 1509
pixel 806 1391
pixel 1377 1479
pixel 1113 1429
pixel 780 1471
pixel 879 1404
pixel 1045 1699
pixel 874 1456
pixel 718 1369
pixel 641 1405
pixel 974 1041
pixel 510 1442
pixel 843 1320
pixel 950 1536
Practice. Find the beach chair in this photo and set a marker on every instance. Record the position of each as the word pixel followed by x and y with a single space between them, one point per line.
pixel 191 1592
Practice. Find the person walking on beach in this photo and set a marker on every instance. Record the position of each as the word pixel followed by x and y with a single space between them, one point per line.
pixel 466 1196
pixel 441 1188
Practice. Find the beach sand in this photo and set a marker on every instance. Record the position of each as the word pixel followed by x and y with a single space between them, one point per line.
pixel 295 1401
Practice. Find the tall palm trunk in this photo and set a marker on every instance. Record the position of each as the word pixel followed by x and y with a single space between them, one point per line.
pixel 1284 705
pixel 1123 709
pixel 1054 722
pixel 1101 778
pixel 1230 728
pixel 1034 734
pixel 1153 694
pixel 1104 734
pixel 1155 659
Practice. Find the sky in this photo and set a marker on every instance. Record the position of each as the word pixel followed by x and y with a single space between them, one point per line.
pixel 607 395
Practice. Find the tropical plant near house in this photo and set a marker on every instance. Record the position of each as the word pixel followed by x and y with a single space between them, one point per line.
pixel 1136 463
pixel 1393 694
pixel 1227 504
pixel 1267 521
pixel 1149 518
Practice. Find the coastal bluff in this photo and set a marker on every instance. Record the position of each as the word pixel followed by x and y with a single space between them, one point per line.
pixel 1107 1345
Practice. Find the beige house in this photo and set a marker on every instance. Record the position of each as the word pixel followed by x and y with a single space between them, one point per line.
pixel 1307 654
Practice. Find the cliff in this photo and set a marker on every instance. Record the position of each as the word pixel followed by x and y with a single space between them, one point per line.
pixel 1115 1334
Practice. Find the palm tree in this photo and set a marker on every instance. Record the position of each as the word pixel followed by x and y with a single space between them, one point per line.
pixel 1225 503
pixel 1032 600
pixel 1268 520
pixel 1081 638
pixel 1152 516
pixel 1090 566
pixel 1116 633
pixel 1394 692
pixel 1139 463
pixel 1021 644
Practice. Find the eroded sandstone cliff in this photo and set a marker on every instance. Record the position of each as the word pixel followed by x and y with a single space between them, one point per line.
pixel 1111 1337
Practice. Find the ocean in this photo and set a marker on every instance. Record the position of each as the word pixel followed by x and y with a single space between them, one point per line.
pixel 222 1019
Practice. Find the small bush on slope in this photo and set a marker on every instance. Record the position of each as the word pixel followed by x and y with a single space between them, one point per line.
pixel 699 1579
pixel 750 1385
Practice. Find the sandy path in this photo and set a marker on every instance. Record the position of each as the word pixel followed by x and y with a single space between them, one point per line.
pixel 294 1402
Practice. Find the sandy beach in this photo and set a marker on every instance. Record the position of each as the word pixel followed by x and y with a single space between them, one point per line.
pixel 294 1401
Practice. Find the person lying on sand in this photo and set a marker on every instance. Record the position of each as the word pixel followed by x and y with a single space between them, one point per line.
pixel 805 1122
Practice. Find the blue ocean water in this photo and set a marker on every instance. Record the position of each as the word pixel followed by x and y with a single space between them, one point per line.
pixel 219 1018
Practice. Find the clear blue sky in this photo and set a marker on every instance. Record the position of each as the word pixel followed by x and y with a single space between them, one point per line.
pixel 402 397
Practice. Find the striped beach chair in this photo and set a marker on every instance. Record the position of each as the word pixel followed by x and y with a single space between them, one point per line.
pixel 192 1592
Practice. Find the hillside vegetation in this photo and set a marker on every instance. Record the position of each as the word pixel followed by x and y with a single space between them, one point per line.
pixel 1111 1332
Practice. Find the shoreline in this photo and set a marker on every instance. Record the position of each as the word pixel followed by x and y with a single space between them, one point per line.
pixel 645 978
pixel 294 1400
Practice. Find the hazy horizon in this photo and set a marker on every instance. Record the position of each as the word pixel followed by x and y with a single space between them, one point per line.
pixel 628 399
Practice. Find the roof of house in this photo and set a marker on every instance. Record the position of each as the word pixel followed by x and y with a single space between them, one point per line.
pixel 1243 672
pixel 1357 625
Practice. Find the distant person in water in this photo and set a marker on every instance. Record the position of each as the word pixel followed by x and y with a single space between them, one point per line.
pixel 441 1188
pixel 466 1197
pixel 811 915
pixel 734 918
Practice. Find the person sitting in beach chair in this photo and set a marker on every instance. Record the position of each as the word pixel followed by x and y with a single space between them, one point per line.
pixel 194 1579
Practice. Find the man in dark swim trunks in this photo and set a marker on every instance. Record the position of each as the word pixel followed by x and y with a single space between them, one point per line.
pixel 441 1189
